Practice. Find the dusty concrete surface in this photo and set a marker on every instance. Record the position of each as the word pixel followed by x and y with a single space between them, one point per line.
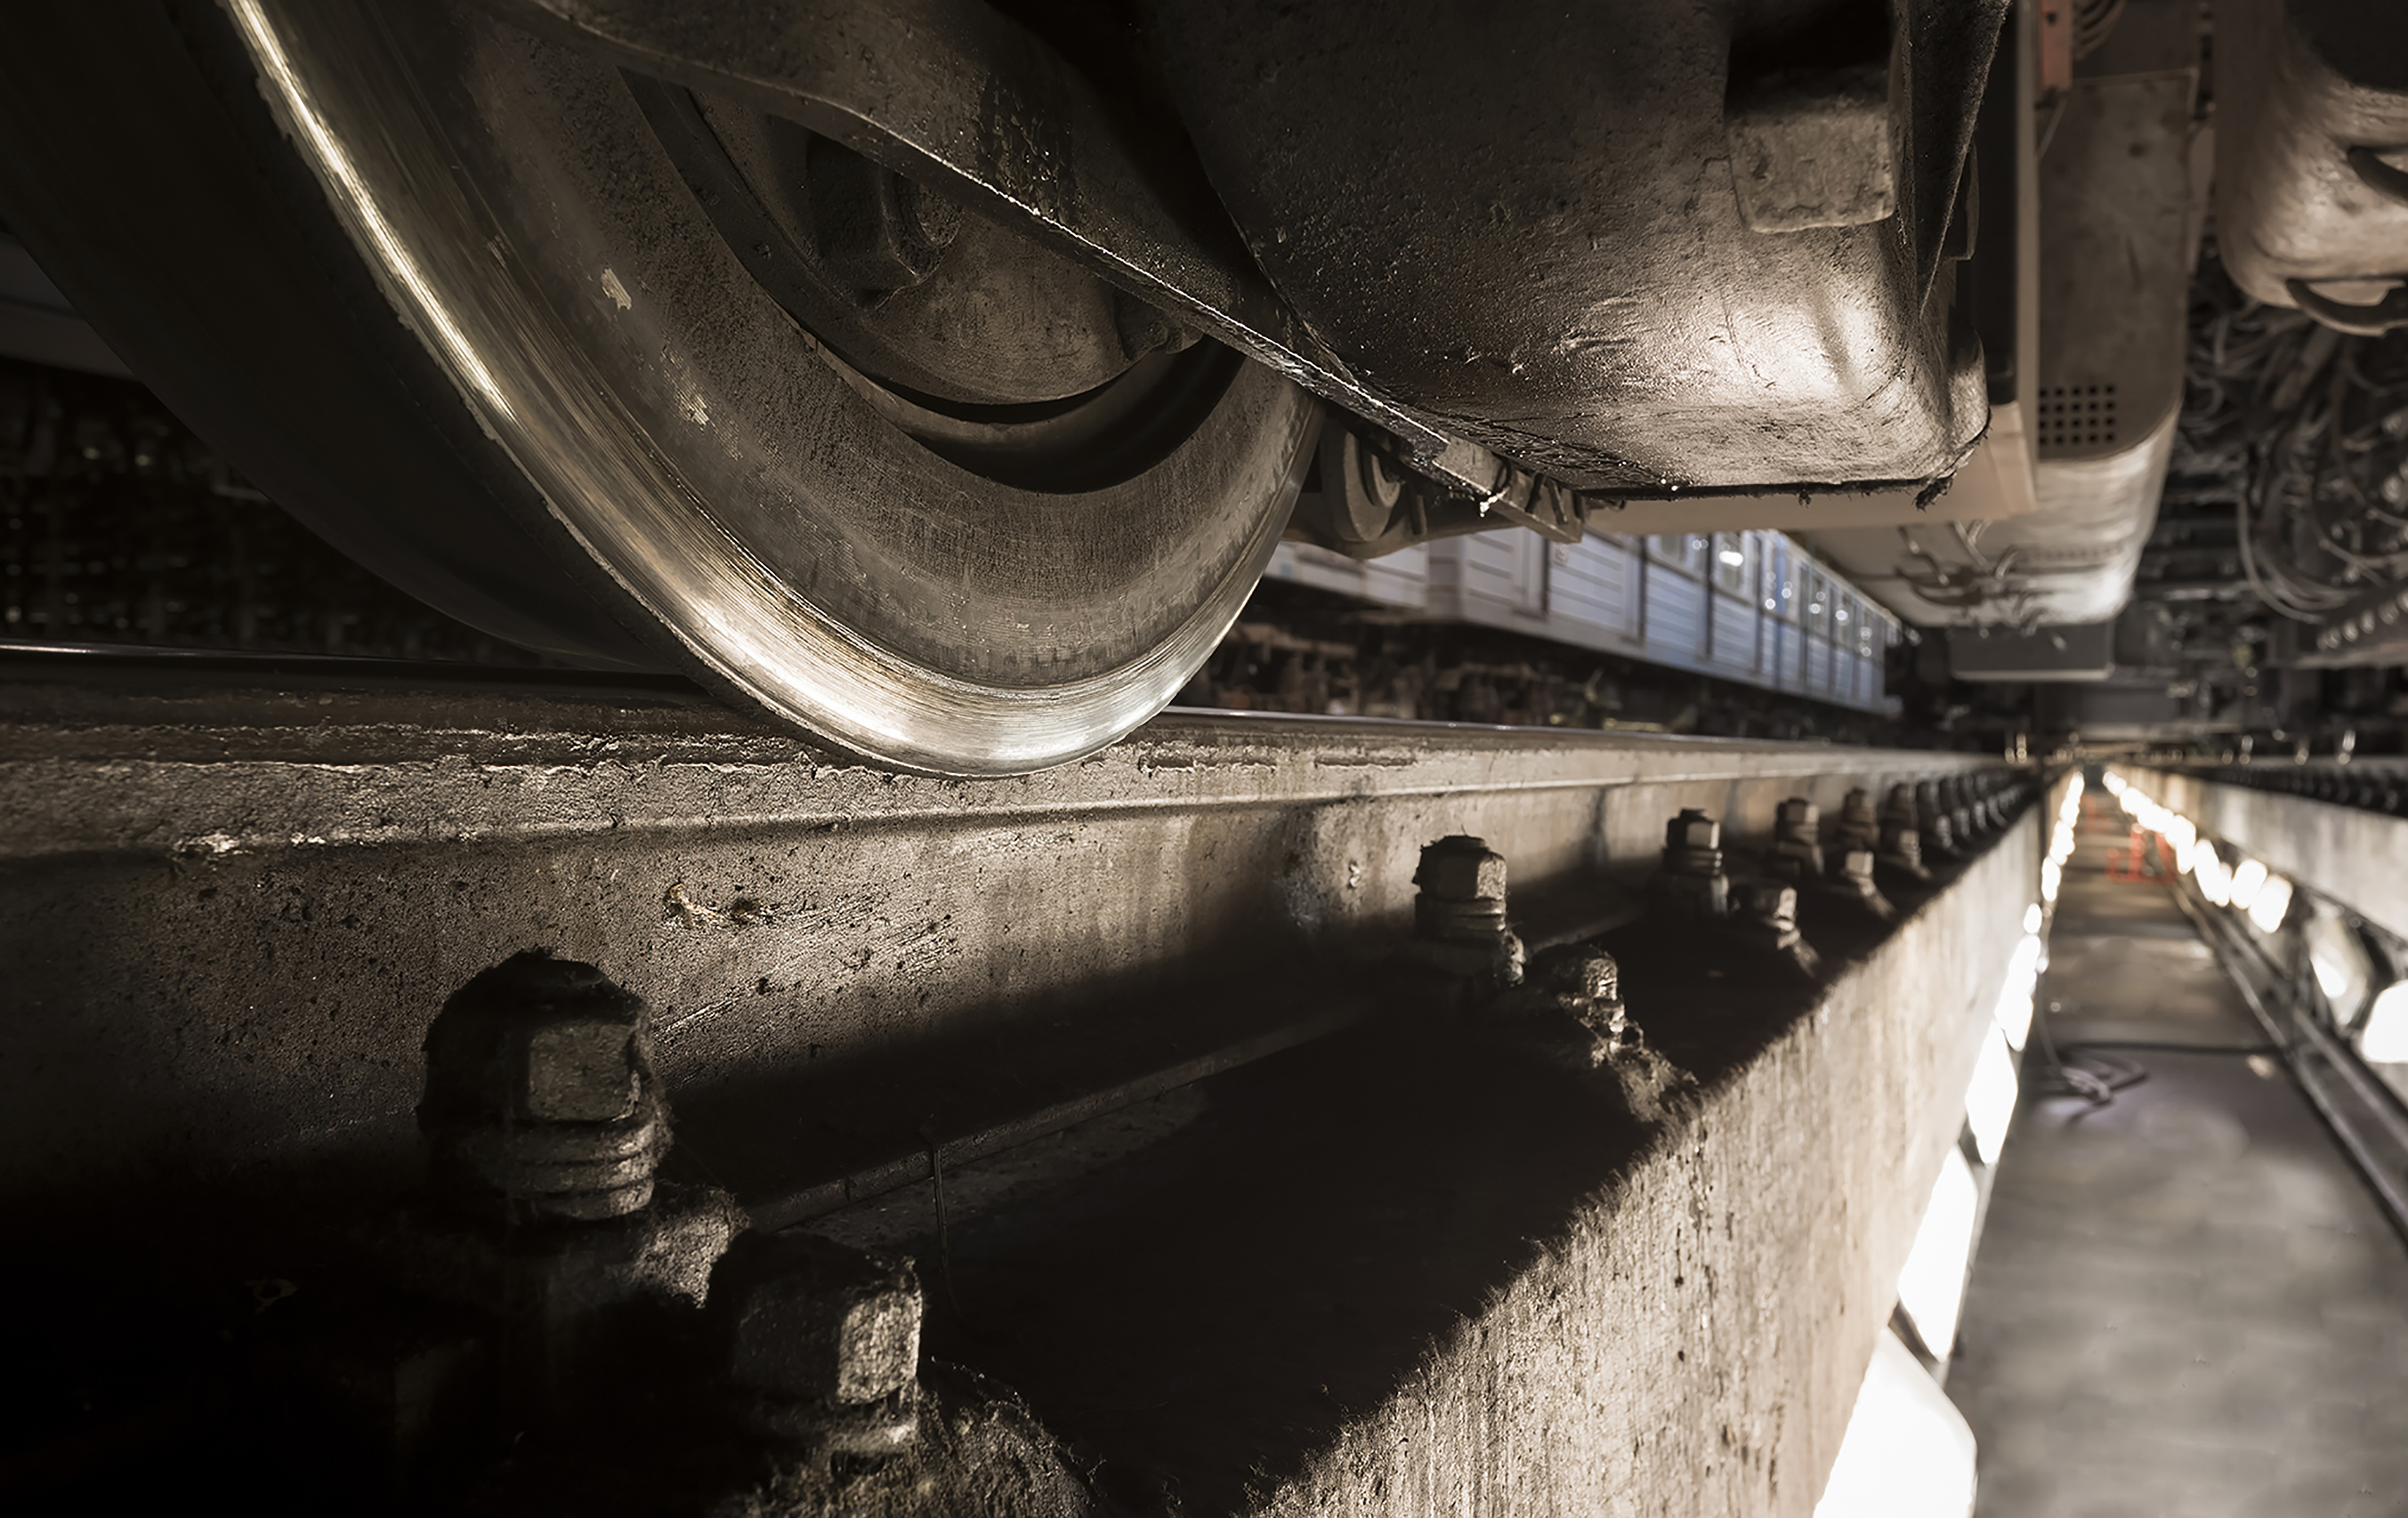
pixel 1415 1269
pixel 1691 1342
pixel 2185 1302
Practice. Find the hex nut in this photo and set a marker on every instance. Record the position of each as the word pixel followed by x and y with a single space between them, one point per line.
pixel 806 1319
pixel 1768 901
pixel 1693 829
pixel 579 1070
pixel 1461 868
pixel 541 1104
pixel 1798 813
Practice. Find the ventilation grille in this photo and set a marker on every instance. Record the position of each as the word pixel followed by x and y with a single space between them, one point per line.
pixel 2077 419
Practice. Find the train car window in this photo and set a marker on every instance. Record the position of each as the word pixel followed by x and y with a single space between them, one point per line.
pixel 1684 551
pixel 1781 597
pixel 1734 558
pixel 1819 596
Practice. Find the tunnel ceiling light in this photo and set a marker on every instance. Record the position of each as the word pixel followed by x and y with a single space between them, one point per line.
pixel 1733 557
pixel 2344 972
pixel 2273 900
pixel 2384 1040
pixel 1931 1288
pixel 2013 1011
pixel 1990 1100
pixel 2032 917
pixel 2247 882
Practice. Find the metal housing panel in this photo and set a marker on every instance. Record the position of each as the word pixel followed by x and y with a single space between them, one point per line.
pixel 1790 673
pixel 1676 617
pixel 1733 640
pixel 2298 85
pixel 1400 578
pixel 1593 586
pixel 1588 296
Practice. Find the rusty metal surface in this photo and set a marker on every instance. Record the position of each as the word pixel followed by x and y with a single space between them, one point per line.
pixel 1557 202
pixel 2306 90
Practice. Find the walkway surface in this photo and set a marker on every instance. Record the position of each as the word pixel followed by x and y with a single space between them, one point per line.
pixel 2185 1303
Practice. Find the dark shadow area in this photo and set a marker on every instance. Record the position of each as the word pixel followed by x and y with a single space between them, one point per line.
pixel 118 524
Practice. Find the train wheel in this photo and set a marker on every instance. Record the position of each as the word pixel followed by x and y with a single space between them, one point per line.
pixel 623 373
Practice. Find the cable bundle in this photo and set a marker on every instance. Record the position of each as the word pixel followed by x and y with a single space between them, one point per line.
pixel 2310 429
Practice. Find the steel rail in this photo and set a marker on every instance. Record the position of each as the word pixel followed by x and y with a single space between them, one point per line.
pixel 234 902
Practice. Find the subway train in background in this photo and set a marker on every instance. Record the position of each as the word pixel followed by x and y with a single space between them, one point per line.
pixel 1750 607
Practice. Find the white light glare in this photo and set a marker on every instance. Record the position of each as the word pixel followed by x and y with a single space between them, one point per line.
pixel 2214 880
pixel 2113 783
pixel 2273 900
pixel 1733 557
pixel 2344 972
pixel 1931 1288
pixel 1906 1452
pixel 2246 883
pixel 2051 874
pixel 2014 1012
pixel 2384 1040
pixel 2032 915
pixel 1990 1100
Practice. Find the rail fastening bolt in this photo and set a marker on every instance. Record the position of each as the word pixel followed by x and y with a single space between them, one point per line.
pixel 1796 836
pixel 1931 820
pixel 1693 883
pixel 1901 839
pixel 542 1104
pixel 1459 913
pixel 1860 828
